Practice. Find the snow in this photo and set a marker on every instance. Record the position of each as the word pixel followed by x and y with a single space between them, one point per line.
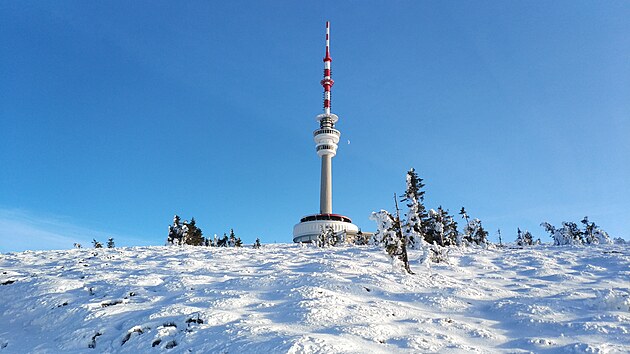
pixel 292 299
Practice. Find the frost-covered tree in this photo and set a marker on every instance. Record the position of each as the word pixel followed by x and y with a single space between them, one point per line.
pixel 97 244
pixel 414 227
pixel 232 240
pixel 467 231
pixel 390 233
pixel 257 243
pixel 475 233
pixel 327 237
pixel 77 245
pixel 593 234
pixel 572 232
pixel 175 232
pixel 569 234
pixel 451 235
pixel 110 242
pixel 238 242
pixel 524 238
pixel 441 228
pixel 499 237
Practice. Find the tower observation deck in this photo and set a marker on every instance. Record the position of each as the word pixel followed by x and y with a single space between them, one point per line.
pixel 326 140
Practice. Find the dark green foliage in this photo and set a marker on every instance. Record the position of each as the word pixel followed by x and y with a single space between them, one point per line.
pixel 464 214
pixel 589 228
pixel 223 242
pixel 451 234
pixel 110 242
pixel 238 242
pixel 192 234
pixel 257 243
pixel 97 244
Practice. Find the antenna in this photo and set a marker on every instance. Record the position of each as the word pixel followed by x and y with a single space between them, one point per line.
pixel 327 82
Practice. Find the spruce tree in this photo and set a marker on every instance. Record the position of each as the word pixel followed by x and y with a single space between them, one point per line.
pixel 467 229
pixel 450 228
pixel 97 244
pixel 519 237
pixel 110 242
pixel 193 235
pixel 589 228
pixel 223 242
pixel 232 239
pixel 257 243
pixel 175 232
pixel 414 229
pixel 528 238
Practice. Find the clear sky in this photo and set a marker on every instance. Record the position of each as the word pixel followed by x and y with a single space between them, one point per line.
pixel 117 115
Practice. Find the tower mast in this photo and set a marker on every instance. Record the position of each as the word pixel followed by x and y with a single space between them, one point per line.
pixel 326 137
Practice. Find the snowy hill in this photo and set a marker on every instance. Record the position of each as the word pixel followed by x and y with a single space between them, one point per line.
pixel 287 299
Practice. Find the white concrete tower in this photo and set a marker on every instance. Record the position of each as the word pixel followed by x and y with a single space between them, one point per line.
pixel 326 140
pixel 326 137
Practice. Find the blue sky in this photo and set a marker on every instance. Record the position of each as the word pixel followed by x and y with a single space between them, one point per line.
pixel 117 115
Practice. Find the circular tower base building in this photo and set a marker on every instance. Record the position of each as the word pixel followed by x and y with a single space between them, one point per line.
pixel 310 227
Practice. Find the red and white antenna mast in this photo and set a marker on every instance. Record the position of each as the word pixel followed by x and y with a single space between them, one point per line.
pixel 327 82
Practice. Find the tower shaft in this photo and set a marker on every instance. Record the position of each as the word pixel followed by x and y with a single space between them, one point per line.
pixel 325 194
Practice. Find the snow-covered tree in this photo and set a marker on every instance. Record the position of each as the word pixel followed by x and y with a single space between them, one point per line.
pixel 175 232
pixel 97 244
pixel 232 240
pixel 451 235
pixel 389 230
pixel 467 231
pixel 475 233
pixel 524 238
pixel 257 243
pixel 593 234
pixel 441 228
pixel 327 237
pixel 414 227
pixel 435 228
pixel 569 234
pixel 110 242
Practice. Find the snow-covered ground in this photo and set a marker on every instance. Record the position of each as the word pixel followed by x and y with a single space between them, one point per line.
pixel 287 299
